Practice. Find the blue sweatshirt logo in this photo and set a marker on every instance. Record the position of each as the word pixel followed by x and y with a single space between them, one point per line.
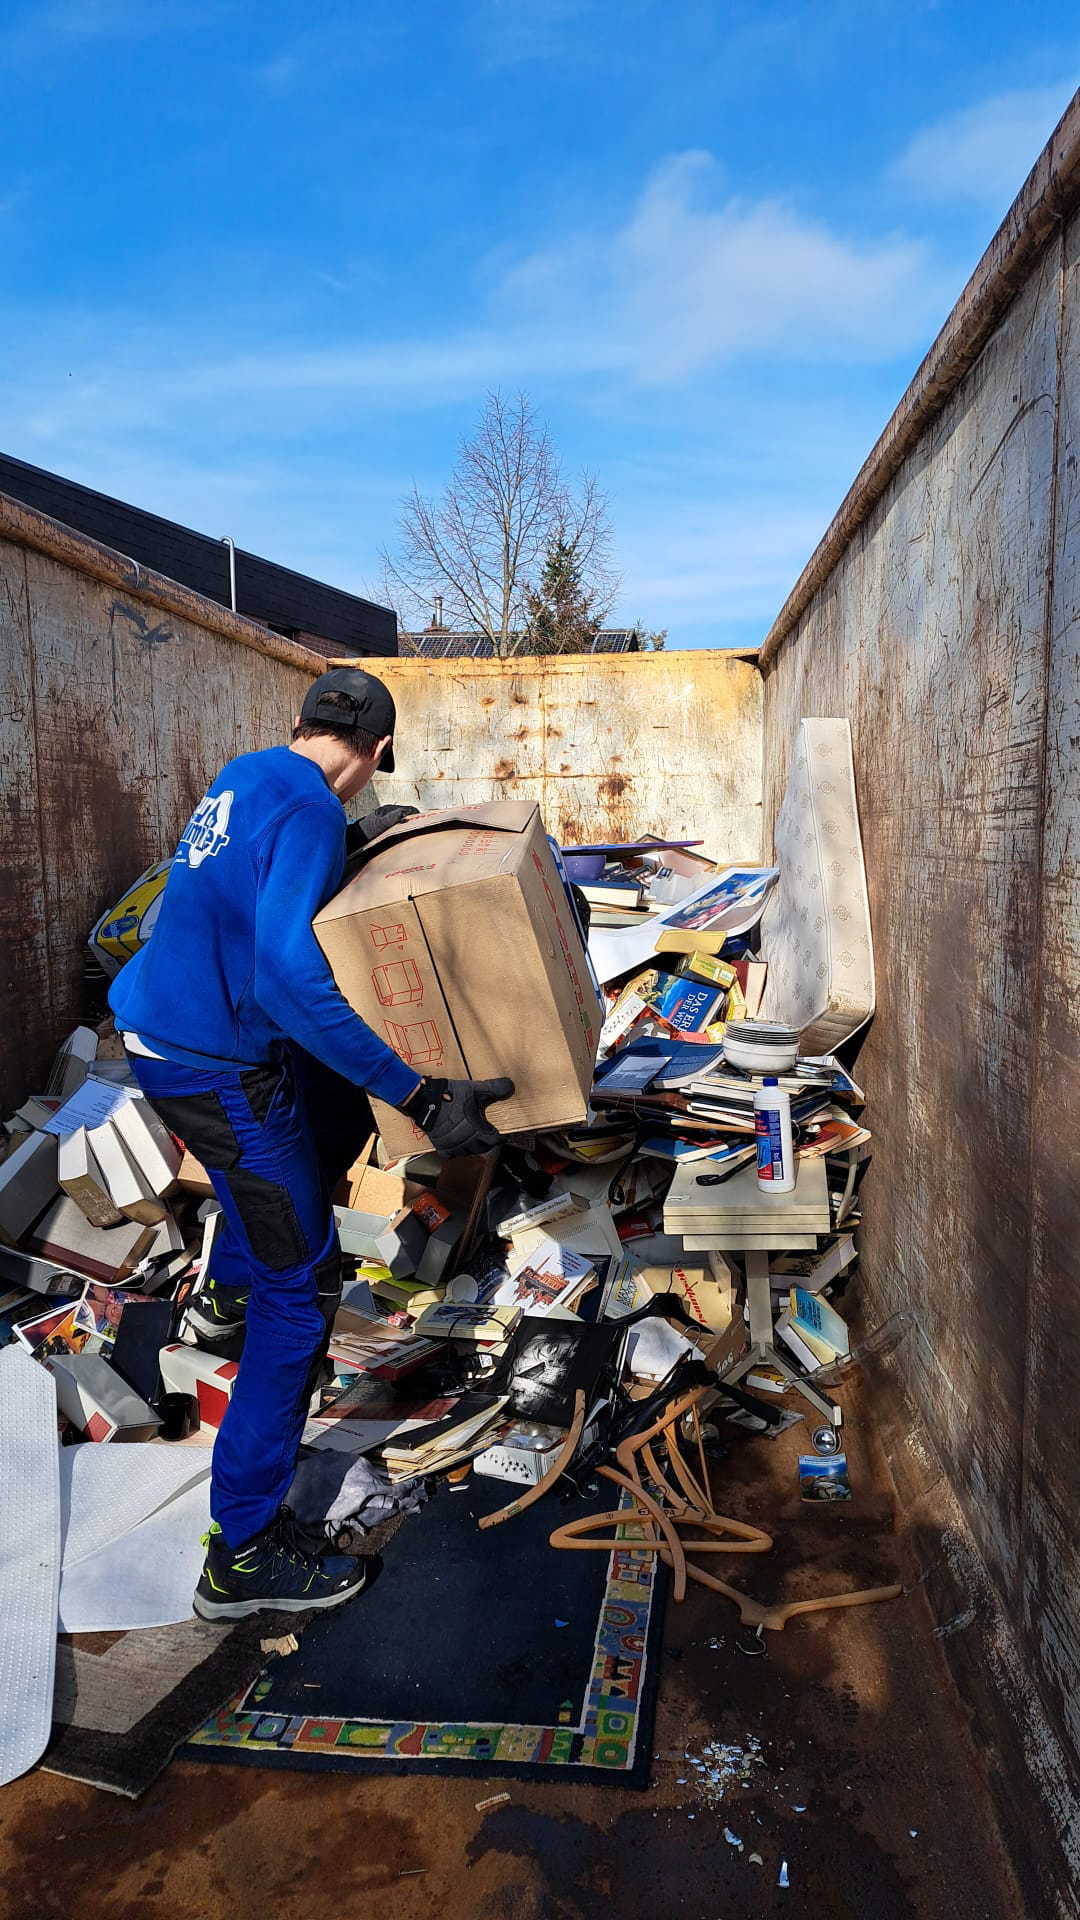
pixel 205 832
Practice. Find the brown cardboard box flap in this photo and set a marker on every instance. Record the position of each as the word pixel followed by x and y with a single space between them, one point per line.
pixel 451 849
pixel 497 816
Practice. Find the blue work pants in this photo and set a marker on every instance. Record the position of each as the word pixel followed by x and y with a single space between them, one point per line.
pixel 252 1131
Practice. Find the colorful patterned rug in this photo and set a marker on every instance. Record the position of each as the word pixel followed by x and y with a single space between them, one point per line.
pixel 484 1653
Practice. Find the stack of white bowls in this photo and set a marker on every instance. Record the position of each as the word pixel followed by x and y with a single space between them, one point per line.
pixel 761 1046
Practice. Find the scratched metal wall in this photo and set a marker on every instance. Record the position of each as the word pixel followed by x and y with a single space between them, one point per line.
pixel 948 631
pixel 116 710
pixel 609 746
pixel 113 715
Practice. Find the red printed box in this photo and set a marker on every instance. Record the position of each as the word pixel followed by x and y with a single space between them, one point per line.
pixel 398 985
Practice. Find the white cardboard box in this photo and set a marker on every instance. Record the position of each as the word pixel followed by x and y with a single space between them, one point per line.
pixel 187 1369
pixel 28 1181
pixel 149 1143
pixel 130 1189
pixel 83 1181
pixel 96 1400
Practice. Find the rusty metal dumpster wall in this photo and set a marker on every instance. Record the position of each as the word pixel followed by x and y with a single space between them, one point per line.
pixel 940 614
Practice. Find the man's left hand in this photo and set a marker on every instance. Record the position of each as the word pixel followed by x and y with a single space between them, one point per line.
pixel 359 833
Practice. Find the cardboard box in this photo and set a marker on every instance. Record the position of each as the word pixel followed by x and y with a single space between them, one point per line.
pixel 28 1181
pixel 698 1289
pixel 401 1244
pixel 83 1181
pixel 370 1189
pixel 65 1235
pixel 130 1189
pixel 359 1232
pixel 149 1143
pixel 457 944
pixel 193 1177
pixel 96 1400
pixel 69 1067
pixel 443 1243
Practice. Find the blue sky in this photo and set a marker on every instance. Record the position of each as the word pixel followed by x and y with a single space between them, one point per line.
pixel 260 263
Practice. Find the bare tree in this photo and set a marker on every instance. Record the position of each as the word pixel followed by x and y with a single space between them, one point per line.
pixel 482 546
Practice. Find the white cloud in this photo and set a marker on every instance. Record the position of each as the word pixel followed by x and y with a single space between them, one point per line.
pixel 985 152
pixel 695 277
pixel 689 282
pixel 665 338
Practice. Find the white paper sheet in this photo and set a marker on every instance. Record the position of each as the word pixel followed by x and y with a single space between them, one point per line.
pixel 616 950
pixel 91 1106
pixel 29 1560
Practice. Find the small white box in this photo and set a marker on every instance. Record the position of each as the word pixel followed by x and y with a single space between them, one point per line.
pixel 128 1185
pixel 83 1181
pixel 149 1143
pixel 97 1401
pixel 28 1181
pixel 522 1456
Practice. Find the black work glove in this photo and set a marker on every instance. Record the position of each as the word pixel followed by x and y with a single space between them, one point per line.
pixel 359 832
pixel 451 1113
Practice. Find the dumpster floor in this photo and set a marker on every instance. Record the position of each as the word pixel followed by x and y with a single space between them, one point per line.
pixel 868 1783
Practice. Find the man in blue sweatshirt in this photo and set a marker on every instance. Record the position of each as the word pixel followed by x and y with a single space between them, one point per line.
pixel 233 1025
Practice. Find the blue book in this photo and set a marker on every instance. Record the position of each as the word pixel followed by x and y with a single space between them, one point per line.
pixel 633 1067
pixel 687 1004
pixel 667 1146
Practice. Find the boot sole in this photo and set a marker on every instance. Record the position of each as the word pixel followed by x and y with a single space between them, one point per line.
pixel 243 1609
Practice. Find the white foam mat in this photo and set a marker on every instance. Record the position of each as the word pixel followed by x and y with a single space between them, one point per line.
pixel 143 1577
pixel 107 1490
pixel 29 1559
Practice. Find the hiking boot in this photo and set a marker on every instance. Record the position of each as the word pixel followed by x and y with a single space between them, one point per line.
pixel 276 1570
pixel 216 1320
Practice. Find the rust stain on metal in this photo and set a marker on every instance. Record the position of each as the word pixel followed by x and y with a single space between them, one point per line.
pixel 699 774
pixel 945 628
pixel 98 783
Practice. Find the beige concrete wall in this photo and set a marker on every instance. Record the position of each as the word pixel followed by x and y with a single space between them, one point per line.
pixel 941 616
pixel 608 746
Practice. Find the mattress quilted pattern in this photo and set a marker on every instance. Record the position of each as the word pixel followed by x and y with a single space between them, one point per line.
pixel 815 931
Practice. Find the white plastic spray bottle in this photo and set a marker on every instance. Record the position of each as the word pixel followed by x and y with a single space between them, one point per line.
pixel 775 1149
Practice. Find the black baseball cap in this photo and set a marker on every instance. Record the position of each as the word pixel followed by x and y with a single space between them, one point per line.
pixel 371 706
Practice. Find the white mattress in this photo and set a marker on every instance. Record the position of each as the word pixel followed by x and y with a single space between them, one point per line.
pixel 815 930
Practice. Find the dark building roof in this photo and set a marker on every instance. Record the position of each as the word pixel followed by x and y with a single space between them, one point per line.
pixel 324 618
pixel 438 643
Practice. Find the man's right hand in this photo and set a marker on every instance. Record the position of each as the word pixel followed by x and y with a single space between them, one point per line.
pixel 451 1113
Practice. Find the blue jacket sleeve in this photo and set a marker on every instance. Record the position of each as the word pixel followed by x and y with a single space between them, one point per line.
pixel 300 864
